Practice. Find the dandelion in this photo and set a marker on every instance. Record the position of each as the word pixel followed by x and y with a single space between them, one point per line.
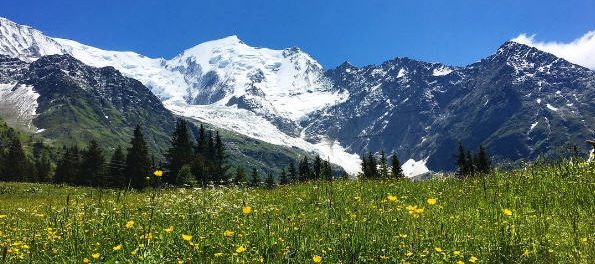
pixel 118 247
pixel 240 249
pixel 169 229
pixel 506 212
pixel 247 210
pixel 473 259
pixel 228 233
pixel 96 255
pixel 432 201
pixel 456 253
pixel 129 224
pixel 438 249
pixel 158 173
pixel 317 259
pixel 186 237
pixel 392 198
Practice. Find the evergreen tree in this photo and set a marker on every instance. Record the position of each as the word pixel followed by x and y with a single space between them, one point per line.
pixel 383 172
pixel 15 163
pixel 43 167
pixel 396 170
pixel 327 170
pixel 185 177
pixel 365 167
pixel 304 169
pixel 240 176
pixel 138 161
pixel 270 181
pixel 482 162
pixel 316 168
pixel 219 166
pixel 292 172
pixel 201 141
pixel 470 163
pixel 372 166
pixel 180 152
pixel 462 161
pixel 115 175
pixel 254 178
pixel 200 169
pixel 92 166
pixel 283 179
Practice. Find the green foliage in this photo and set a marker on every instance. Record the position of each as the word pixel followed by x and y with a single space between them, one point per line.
pixel 138 161
pixel 181 151
pixel 537 214
pixel 396 170
pixel 185 177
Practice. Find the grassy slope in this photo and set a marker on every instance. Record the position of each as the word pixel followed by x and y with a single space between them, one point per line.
pixel 343 222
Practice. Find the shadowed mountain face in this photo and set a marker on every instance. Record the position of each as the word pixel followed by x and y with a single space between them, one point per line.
pixel 519 103
pixel 70 102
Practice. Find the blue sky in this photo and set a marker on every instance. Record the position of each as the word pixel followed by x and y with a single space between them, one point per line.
pixel 363 32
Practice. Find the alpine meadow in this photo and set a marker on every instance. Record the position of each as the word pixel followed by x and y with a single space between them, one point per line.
pixel 233 152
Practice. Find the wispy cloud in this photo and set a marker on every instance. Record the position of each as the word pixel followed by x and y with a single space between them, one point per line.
pixel 580 51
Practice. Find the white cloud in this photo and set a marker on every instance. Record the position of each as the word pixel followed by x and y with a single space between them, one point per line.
pixel 580 51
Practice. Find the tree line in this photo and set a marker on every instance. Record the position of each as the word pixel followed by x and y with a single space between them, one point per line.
pixel 378 168
pixel 469 164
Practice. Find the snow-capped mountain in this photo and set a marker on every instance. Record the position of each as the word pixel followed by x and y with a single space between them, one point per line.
pixel 519 102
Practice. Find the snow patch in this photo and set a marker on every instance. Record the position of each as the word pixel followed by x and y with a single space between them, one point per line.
pixel 18 105
pixel 441 71
pixel 412 168
pixel 549 106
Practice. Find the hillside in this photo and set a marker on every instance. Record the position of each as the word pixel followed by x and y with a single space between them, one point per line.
pixel 539 214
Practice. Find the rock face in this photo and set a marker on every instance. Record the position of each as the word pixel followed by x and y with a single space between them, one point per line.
pixel 519 102
pixel 70 102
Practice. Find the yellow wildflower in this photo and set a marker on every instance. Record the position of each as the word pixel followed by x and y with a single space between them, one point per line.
pixel 118 247
pixel 506 212
pixel 456 253
pixel 392 198
pixel 218 254
pixel 247 210
pixel 409 254
pixel 158 173
pixel 460 262
pixel 317 259
pixel 169 229
pixel 473 259
pixel 129 224
pixel 240 249
pixel 432 201
pixel 438 249
pixel 96 255
pixel 526 253
pixel 186 237
pixel 228 233
pixel 2 216
pixel 86 260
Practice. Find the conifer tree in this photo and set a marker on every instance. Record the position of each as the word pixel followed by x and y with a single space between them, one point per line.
pixel 240 176
pixel 462 161
pixel 138 161
pixel 372 166
pixel 396 170
pixel 180 152
pixel 254 178
pixel 304 169
pixel 470 163
pixel 115 175
pixel 365 167
pixel 383 172
pixel 270 181
pixel 92 166
pixel 15 163
pixel 43 167
pixel 327 171
pixel 220 168
pixel 283 179
pixel 292 172
pixel 185 177
pixel 316 168
pixel 482 162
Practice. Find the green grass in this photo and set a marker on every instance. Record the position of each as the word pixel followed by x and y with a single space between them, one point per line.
pixel 552 221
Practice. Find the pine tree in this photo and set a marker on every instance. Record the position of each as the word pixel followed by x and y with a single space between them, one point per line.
pixel 180 152
pixel 15 163
pixel 200 169
pixel 482 162
pixel 470 163
pixel 63 166
pixel 254 178
pixel 270 181
pixel 316 168
pixel 138 161
pixel 43 167
pixel 292 172
pixel 396 170
pixel 115 175
pixel 219 166
pixel 372 166
pixel 383 172
pixel 201 141
pixel 240 176
pixel 327 171
pixel 304 169
pixel 365 168
pixel 283 179
pixel 92 166
pixel 462 161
